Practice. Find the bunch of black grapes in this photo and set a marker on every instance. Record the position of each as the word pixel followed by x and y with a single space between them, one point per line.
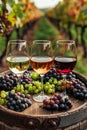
pixel 25 79
pixel 7 82
pixel 57 102
pixel 78 90
pixel 18 101
pixel 52 73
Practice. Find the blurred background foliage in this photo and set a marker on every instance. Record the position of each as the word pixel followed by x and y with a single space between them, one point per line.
pixel 21 19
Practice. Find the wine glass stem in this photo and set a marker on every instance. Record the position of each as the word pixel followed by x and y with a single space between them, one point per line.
pixel 42 92
pixel 64 79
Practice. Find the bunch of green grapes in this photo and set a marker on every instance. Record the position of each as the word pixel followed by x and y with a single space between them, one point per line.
pixel 49 88
pixel 3 95
pixel 34 75
pixel 34 88
pixel 31 88
pixel 54 85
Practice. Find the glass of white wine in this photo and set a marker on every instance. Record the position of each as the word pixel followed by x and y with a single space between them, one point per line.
pixel 17 56
pixel 41 61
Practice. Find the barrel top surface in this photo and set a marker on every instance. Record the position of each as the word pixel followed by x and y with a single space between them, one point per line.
pixel 36 110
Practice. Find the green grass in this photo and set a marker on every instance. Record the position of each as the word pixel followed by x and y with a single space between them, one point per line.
pixel 2 43
pixel 81 68
pixel 45 31
pixel 13 35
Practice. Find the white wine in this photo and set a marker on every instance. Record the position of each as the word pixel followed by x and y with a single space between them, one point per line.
pixel 18 65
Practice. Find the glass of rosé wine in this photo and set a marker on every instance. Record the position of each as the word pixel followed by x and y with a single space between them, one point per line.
pixel 41 61
pixel 65 58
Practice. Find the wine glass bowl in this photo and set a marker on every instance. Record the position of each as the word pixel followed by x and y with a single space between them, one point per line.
pixel 41 61
pixel 65 56
pixel 17 56
pixel 42 64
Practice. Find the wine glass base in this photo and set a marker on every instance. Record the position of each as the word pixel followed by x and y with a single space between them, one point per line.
pixel 40 98
pixel 65 96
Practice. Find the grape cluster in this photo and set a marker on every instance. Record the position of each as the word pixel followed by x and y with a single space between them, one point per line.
pixel 29 88
pixel 70 76
pixel 49 88
pixel 18 101
pixel 78 90
pixel 25 80
pixel 74 86
pixel 34 88
pixel 7 82
pixel 57 102
pixel 35 76
pixel 3 95
pixel 5 24
pixel 52 73
pixel 56 85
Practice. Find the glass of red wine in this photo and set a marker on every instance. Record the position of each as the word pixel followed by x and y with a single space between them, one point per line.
pixel 41 61
pixel 65 58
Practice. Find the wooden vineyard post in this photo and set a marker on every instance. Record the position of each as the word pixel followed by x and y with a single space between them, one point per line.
pixel 58 24
pixel 83 41
pixel 69 24
pixel 77 33
pixel 55 22
pixel 18 33
pixel 4 51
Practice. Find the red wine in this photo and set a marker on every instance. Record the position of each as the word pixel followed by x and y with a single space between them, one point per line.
pixel 64 64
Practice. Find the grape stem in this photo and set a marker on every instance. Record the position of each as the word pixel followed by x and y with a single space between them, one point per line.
pixel 64 79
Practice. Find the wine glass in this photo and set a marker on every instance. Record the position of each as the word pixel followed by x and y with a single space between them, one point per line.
pixel 17 56
pixel 41 61
pixel 65 58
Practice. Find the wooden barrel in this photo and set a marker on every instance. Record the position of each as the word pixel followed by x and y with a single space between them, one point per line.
pixel 36 118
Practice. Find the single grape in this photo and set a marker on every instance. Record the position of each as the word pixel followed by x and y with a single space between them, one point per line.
pixel 1 101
